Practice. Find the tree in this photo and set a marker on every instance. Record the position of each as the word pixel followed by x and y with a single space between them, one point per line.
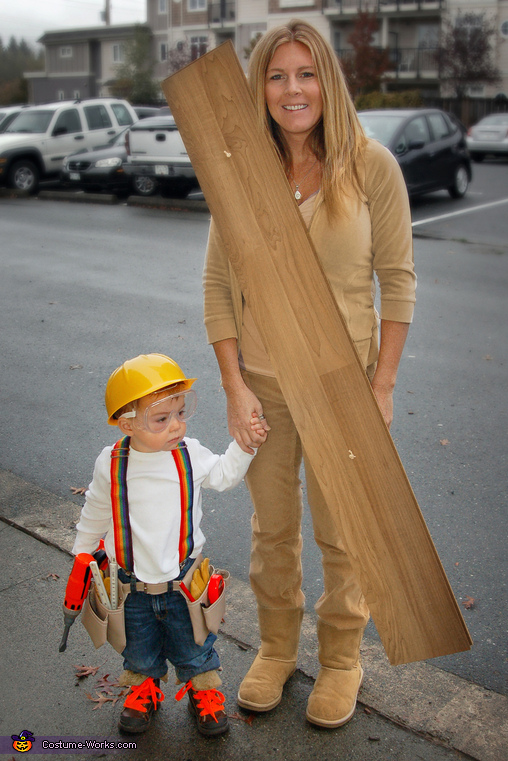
pixel 134 78
pixel 15 59
pixel 366 64
pixel 179 56
pixel 466 56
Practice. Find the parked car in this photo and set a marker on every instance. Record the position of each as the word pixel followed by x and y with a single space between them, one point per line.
pixel 144 112
pixel 34 145
pixel 429 145
pixel 489 137
pixel 8 114
pixel 103 169
pixel 155 152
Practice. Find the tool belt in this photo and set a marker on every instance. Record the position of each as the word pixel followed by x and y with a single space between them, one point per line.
pixel 106 625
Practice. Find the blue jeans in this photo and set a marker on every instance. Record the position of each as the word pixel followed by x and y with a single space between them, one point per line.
pixel 158 629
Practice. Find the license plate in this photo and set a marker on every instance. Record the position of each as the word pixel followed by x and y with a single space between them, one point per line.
pixel 74 176
pixel 161 169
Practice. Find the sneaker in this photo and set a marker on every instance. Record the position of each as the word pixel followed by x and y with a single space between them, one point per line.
pixel 208 708
pixel 140 706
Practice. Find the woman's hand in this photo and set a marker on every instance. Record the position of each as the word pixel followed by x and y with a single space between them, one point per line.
pixel 393 337
pixel 247 424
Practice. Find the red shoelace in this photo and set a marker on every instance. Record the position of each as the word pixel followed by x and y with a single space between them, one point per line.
pixel 209 702
pixel 142 694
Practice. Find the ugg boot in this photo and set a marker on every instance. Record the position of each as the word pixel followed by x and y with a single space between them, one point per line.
pixel 206 703
pixel 332 702
pixel 275 663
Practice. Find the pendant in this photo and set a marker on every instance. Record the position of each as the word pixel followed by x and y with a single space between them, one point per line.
pixel 298 195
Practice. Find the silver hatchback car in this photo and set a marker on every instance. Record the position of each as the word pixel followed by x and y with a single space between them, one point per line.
pixel 489 137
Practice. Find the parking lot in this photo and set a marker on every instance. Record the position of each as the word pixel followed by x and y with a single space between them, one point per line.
pixel 85 285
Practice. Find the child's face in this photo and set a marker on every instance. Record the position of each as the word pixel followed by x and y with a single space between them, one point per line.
pixel 165 414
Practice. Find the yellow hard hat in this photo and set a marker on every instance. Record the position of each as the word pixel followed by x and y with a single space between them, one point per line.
pixel 139 377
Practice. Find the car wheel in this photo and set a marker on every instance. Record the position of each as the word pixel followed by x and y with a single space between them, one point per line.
pixel 144 185
pixel 460 184
pixel 24 175
pixel 478 157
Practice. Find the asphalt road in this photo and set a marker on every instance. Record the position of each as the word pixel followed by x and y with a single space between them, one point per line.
pixel 85 286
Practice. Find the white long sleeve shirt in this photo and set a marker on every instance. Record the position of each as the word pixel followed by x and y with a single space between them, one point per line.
pixel 153 488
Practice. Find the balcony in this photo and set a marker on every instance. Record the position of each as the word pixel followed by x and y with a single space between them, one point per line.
pixel 352 7
pixel 222 13
pixel 409 63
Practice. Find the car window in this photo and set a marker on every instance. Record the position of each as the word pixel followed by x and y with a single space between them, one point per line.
pixel 97 117
pixel 495 119
pixel 67 122
pixel 417 131
pixel 31 121
pixel 380 126
pixel 439 126
pixel 123 116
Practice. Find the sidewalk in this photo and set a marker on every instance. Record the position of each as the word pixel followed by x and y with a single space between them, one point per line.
pixel 407 713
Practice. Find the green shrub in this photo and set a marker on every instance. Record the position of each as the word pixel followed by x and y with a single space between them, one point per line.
pixel 403 99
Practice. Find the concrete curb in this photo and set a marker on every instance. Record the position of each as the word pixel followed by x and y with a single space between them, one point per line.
pixel 420 697
pixel 73 196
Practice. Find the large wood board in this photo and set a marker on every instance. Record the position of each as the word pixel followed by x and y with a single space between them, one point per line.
pixel 316 364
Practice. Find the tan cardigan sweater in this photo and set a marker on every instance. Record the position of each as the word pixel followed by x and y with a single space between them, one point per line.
pixel 374 237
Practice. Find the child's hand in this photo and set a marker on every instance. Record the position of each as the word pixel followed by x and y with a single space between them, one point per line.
pixel 259 428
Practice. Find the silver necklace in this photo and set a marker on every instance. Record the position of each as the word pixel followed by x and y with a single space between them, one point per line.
pixel 298 195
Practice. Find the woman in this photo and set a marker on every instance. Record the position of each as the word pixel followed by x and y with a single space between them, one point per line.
pixel 353 199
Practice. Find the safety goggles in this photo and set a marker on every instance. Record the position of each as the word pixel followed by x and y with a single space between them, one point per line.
pixel 158 415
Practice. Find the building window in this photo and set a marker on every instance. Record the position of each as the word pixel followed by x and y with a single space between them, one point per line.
pixel 119 53
pixel 60 95
pixel 76 95
pixel 196 5
pixel 163 6
pixel 66 52
pixel 295 3
pixel 163 51
pixel 198 46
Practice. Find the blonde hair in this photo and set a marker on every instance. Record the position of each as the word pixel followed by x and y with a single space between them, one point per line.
pixel 338 140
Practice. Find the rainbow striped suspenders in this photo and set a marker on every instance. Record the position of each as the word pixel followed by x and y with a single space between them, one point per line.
pixel 120 502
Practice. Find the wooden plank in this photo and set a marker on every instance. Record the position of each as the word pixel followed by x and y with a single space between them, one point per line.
pixel 319 371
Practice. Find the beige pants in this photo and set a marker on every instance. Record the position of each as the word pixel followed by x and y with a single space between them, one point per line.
pixel 274 484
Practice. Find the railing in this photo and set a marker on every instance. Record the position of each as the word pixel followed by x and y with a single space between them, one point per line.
pixel 350 7
pixel 222 12
pixel 408 63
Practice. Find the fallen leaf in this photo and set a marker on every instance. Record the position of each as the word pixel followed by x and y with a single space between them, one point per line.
pixel 100 699
pixel 83 671
pixel 488 358
pixel 53 576
pixel 250 718
pixel 469 603
pixel 104 684
pixel 78 489
pixel 444 442
pixel 75 367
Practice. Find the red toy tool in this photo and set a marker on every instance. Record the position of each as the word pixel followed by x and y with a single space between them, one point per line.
pixel 77 588
pixel 215 587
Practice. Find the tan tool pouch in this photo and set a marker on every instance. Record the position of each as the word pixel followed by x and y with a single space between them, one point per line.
pixel 102 624
pixel 205 618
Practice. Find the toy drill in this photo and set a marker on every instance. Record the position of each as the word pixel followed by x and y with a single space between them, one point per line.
pixel 76 592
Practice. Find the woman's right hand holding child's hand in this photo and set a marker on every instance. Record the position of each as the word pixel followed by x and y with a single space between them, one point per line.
pixel 257 426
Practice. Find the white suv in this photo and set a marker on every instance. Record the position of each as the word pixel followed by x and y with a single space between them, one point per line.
pixel 34 145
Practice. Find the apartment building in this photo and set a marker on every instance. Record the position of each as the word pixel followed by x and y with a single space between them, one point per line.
pixel 79 63
pixel 409 29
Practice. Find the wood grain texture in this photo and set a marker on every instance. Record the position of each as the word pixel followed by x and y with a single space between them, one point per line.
pixel 315 361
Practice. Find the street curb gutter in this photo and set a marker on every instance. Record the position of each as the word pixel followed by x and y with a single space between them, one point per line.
pixel 420 697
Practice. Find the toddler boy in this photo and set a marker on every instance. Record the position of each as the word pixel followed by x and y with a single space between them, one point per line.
pixel 151 480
